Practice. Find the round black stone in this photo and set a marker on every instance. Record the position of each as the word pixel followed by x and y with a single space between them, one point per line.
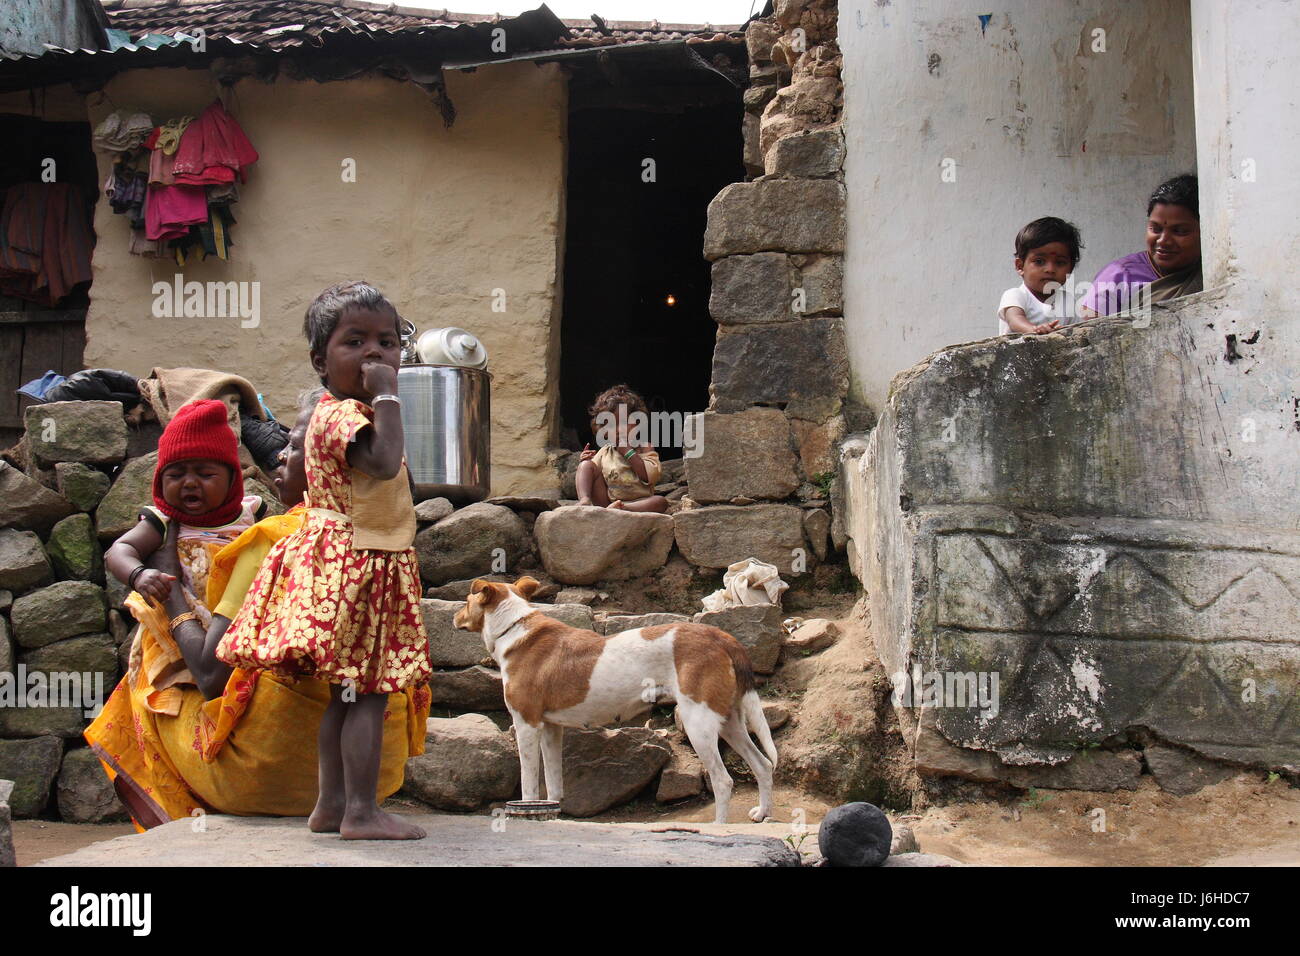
pixel 855 834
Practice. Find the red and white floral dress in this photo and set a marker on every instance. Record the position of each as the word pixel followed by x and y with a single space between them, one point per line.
pixel 321 605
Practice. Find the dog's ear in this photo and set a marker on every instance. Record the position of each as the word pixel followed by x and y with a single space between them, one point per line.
pixel 528 586
pixel 491 592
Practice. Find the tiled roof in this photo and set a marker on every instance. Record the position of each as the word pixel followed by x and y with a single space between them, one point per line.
pixel 283 24
pixel 277 24
pixel 584 33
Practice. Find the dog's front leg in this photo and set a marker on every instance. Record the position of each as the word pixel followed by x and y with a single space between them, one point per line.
pixel 553 760
pixel 529 739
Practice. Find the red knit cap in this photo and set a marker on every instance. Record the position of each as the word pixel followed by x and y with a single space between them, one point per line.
pixel 200 430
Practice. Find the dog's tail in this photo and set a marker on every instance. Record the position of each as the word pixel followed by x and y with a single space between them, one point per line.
pixel 751 708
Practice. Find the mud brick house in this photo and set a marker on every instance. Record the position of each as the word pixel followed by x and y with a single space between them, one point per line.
pixel 473 167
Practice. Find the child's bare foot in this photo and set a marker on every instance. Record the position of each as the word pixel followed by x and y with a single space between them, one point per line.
pixel 585 501
pixel 325 818
pixel 615 505
pixel 375 824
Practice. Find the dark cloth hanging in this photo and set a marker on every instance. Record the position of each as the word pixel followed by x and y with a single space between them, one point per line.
pixel 45 241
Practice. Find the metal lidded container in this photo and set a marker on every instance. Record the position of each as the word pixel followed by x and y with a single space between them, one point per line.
pixel 446 416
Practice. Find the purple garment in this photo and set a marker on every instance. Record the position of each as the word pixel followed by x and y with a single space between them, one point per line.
pixel 1116 285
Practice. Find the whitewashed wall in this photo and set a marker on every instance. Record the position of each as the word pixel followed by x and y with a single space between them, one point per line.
pixel 1037 122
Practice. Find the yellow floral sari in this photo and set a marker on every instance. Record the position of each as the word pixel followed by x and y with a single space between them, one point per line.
pixel 251 751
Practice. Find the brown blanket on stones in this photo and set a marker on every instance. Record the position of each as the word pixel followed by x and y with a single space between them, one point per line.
pixel 167 389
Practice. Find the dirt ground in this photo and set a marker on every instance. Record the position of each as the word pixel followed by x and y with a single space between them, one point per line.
pixel 1240 822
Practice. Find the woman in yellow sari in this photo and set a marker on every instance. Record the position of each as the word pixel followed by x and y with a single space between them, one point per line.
pixel 184 733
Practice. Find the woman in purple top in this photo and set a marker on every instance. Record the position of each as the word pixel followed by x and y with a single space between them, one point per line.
pixel 1171 264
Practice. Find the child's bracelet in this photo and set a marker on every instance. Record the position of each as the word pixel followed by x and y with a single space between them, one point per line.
pixel 386 397
pixel 630 453
pixel 130 578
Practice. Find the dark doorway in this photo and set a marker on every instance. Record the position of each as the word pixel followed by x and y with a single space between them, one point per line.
pixel 36 334
pixel 636 284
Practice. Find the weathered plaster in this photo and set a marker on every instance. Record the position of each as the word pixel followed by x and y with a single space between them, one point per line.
pixel 437 218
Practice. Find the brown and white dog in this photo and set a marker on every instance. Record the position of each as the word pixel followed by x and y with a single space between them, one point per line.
pixel 556 676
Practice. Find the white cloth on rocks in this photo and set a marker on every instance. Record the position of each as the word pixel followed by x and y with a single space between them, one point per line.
pixel 747 582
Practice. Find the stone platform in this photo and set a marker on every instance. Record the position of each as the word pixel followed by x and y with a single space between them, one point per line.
pixel 453 840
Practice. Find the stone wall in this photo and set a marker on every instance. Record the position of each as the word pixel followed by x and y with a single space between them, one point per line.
pixel 1106 519
pixel 60 507
pixel 82 472
pixel 780 372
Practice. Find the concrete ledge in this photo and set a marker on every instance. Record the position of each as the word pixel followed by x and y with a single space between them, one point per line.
pixel 453 840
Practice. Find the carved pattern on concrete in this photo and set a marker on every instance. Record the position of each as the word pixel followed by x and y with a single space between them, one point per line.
pixel 1092 636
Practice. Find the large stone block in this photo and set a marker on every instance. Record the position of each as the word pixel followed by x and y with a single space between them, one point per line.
pixel 74 549
pixel 753 288
pixel 85 793
pixel 32 765
pixel 25 503
pixel 812 154
pixel 1161 599
pixel 90 432
pixel 87 655
pixel 1182 772
pixel 821 279
pixel 448 645
pixel 747 453
pixel 817 444
pixel 23 563
pixel 43 721
pixel 583 544
pixel 467 763
pixel 61 610
pixel 802 365
pixel 720 535
pixel 469 541
pixel 473 688
pixel 574 615
pixel 797 215
pixel 603 768
pixel 617 623
pixel 131 492
pixel 82 485
pixel 757 626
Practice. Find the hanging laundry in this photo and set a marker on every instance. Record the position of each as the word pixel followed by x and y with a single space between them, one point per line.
pixel 141 246
pixel 45 241
pixel 211 238
pixel 168 136
pixel 169 211
pixel 121 131
pixel 213 149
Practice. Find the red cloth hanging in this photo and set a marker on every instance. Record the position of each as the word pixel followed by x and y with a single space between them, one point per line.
pixel 213 150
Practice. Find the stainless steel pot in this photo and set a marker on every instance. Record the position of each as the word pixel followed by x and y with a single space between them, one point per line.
pixel 446 415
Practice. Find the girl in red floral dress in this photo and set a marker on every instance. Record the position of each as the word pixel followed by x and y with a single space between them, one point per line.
pixel 340 599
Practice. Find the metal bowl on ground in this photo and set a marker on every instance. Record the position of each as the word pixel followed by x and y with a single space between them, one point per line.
pixel 446 416
pixel 533 809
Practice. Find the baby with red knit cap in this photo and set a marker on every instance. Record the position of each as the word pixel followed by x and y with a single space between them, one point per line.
pixel 199 485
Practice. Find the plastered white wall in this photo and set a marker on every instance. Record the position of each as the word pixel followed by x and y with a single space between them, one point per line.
pixel 1037 123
